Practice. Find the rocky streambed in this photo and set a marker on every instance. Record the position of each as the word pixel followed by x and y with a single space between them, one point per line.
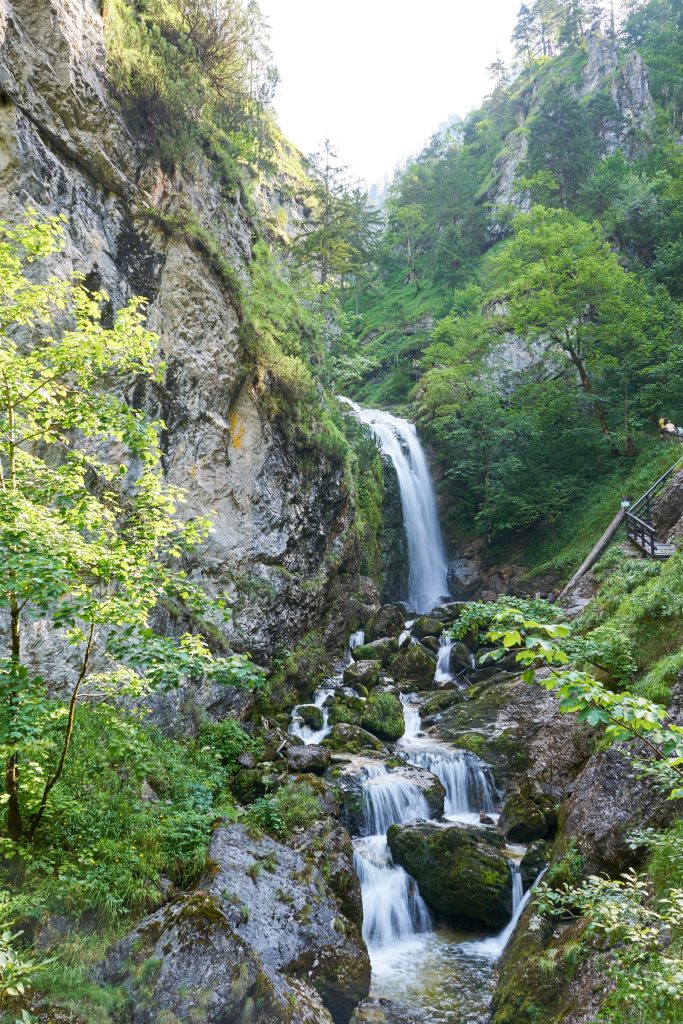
pixel 442 884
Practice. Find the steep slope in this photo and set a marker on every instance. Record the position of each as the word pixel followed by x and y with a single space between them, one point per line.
pixel 185 241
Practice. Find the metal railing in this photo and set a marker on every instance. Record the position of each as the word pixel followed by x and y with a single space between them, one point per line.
pixel 639 526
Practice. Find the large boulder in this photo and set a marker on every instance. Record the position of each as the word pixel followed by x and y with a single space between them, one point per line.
pixel 426 625
pixel 611 799
pixel 189 962
pixel 460 870
pixel 389 621
pixel 307 935
pixel 382 715
pixel 520 731
pixel 413 668
pixel 309 759
pixel 380 650
pixel 311 715
pixel 365 673
pixel 351 739
pixel 528 814
pixel 349 777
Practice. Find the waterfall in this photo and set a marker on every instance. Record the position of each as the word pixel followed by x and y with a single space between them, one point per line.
pixel 467 780
pixel 443 672
pixel 304 732
pixel 411 717
pixel 493 947
pixel 393 910
pixel 427 577
pixel 389 799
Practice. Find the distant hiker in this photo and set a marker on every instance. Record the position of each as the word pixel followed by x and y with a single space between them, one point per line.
pixel 670 427
pixel 662 423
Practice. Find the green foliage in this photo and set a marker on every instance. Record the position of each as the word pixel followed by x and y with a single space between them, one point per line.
pixel 132 807
pixel 190 75
pixel 624 716
pixel 88 528
pixel 293 806
pixel 227 740
pixel 477 617
pixel 606 647
pixel 637 929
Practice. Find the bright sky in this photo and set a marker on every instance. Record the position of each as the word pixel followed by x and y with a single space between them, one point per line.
pixel 377 77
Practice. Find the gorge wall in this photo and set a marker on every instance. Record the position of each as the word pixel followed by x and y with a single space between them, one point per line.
pixel 282 512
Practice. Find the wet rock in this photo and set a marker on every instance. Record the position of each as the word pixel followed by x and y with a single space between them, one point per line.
pixel 431 643
pixel 460 870
pixel 311 715
pixel 439 702
pixel 426 626
pixel 461 657
pixel 382 715
pixel 310 758
pixel 447 613
pixel 609 802
pixel 347 778
pixel 534 860
pixel 351 739
pixel 413 668
pixel 389 621
pixel 368 673
pixel 346 710
pixel 380 650
pixel 520 731
pixel 528 814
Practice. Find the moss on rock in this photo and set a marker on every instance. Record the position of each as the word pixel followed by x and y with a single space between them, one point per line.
pixel 383 716
pixel 413 668
pixel 460 871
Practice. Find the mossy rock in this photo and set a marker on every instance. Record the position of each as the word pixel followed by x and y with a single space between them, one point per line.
pixel 388 621
pixel 378 650
pixel 311 715
pixel 426 626
pixel 533 861
pixel 460 871
pixel 383 716
pixel 368 673
pixel 344 711
pixel 350 739
pixel 431 643
pixel 528 814
pixel 439 702
pixel 413 668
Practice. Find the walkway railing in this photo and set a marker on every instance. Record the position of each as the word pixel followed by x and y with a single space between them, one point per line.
pixel 639 525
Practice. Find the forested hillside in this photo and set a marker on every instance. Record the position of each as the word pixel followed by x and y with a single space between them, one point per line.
pixel 524 299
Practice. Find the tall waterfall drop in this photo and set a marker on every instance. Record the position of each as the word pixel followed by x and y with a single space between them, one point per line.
pixel 428 577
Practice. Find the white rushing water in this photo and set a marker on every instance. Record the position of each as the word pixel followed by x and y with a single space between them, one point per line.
pixel 427 575
pixel 393 910
pixel 443 672
pixel 299 728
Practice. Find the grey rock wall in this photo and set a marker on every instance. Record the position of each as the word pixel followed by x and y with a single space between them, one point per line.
pixel 281 520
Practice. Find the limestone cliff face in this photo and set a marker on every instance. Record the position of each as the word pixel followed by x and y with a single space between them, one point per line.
pixel 281 521
pixel 624 79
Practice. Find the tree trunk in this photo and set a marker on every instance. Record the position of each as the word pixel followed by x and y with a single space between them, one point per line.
pixel 588 387
pixel 14 823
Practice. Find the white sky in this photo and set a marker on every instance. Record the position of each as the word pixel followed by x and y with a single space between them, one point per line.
pixel 377 77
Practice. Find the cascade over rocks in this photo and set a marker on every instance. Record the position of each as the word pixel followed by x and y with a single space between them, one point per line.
pixel 460 870
pixel 347 776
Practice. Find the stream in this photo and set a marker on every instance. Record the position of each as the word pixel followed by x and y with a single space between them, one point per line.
pixel 421 971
